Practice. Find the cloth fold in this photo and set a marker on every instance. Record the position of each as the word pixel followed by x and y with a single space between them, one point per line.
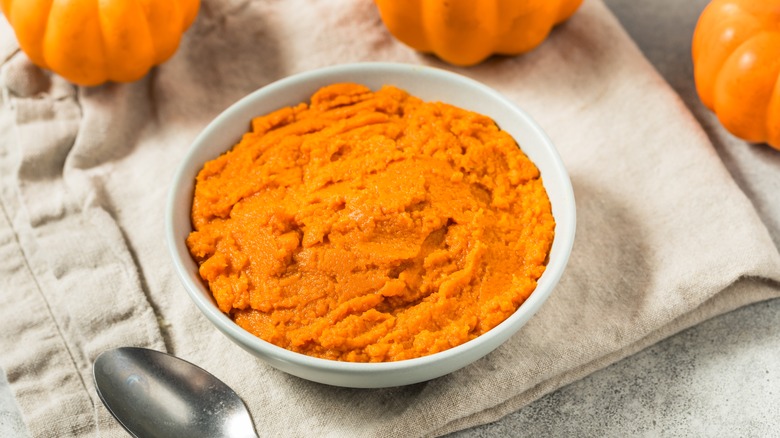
pixel 665 238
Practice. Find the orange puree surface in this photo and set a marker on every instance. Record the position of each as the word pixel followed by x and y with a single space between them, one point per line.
pixel 371 226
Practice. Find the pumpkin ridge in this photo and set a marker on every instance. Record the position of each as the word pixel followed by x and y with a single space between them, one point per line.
pixel 158 52
pixel 429 16
pixel 718 19
pixel 41 48
pixel 466 32
pixel 773 116
pixel 90 42
pixel 146 11
pixel 68 27
pixel 36 52
pixel 736 67
pixel 742 98
pixel 106 71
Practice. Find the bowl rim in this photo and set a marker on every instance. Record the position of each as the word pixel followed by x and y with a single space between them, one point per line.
pixel 197 291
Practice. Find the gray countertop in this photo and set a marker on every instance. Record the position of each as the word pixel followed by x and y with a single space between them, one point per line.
pixel 720 378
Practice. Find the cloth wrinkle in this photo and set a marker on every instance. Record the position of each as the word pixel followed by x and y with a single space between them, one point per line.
pixel 85 175
pixel 38 287
pixel 69 239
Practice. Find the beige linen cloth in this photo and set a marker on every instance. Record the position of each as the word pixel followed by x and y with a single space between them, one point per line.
pixel 665 238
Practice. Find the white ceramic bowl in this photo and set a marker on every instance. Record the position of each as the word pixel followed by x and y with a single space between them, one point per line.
pixel 431 85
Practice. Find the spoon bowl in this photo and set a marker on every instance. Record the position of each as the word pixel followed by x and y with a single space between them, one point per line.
pixel 154 394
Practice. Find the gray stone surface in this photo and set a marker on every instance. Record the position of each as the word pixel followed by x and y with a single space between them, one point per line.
pixel 719 378
pixel 11 424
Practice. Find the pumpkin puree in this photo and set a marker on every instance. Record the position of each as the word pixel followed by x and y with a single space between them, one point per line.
pixel 371 226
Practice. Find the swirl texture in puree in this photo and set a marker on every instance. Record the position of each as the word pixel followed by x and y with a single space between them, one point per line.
pixel 371 226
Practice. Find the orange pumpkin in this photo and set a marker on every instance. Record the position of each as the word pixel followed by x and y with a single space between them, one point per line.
pixel 89 42
pixel 736 60
pixel 465 32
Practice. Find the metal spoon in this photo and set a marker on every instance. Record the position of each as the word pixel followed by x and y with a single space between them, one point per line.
pixel 154 394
